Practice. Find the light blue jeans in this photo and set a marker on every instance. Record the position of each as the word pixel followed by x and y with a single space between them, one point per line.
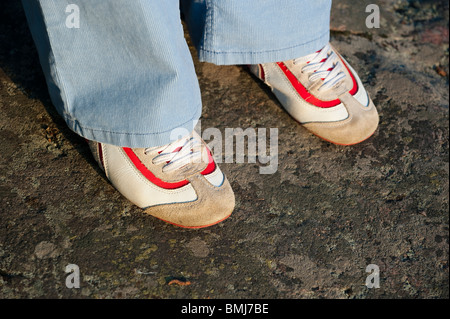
pixel 125 76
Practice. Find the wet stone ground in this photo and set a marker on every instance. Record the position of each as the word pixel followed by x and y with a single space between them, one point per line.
pixel 307 231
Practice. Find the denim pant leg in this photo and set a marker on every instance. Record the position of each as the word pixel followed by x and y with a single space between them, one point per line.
pixel 125 76
pixel 257 31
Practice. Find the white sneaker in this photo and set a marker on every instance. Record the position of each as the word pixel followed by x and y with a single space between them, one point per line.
pixel 324 94
pixel 179 183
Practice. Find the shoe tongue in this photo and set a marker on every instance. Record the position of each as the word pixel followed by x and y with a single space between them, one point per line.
pixel 174 147
pixel 309 57
pixel 305 59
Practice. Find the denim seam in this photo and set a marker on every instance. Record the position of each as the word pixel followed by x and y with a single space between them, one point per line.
pixel 265 51
pixel 58 83
pixel 208 22
pixel 213 37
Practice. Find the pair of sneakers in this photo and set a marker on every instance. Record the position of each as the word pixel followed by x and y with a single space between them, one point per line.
pixel 181 184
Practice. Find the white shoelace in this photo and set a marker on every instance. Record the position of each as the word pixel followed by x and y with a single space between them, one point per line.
pixel 177 154
pixel 325 65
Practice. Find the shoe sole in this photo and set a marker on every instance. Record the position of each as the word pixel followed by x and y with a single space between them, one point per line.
pixel 196 227
pixel 342 143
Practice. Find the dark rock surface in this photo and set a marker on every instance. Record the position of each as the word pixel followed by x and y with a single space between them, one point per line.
pixel 307 231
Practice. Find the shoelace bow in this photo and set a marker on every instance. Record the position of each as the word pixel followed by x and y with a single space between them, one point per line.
pixel 177 154
pixel 325 65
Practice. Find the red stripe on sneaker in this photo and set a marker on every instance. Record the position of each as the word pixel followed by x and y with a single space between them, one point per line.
pixel 149 175
pixel 304 93
pixel 100 154
pixel 354 90
pixel 307 96
pixel 211 167
pixel 262 75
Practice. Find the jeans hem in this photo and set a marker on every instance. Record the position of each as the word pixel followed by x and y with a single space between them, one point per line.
pixel 133 139
pixel 266 56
